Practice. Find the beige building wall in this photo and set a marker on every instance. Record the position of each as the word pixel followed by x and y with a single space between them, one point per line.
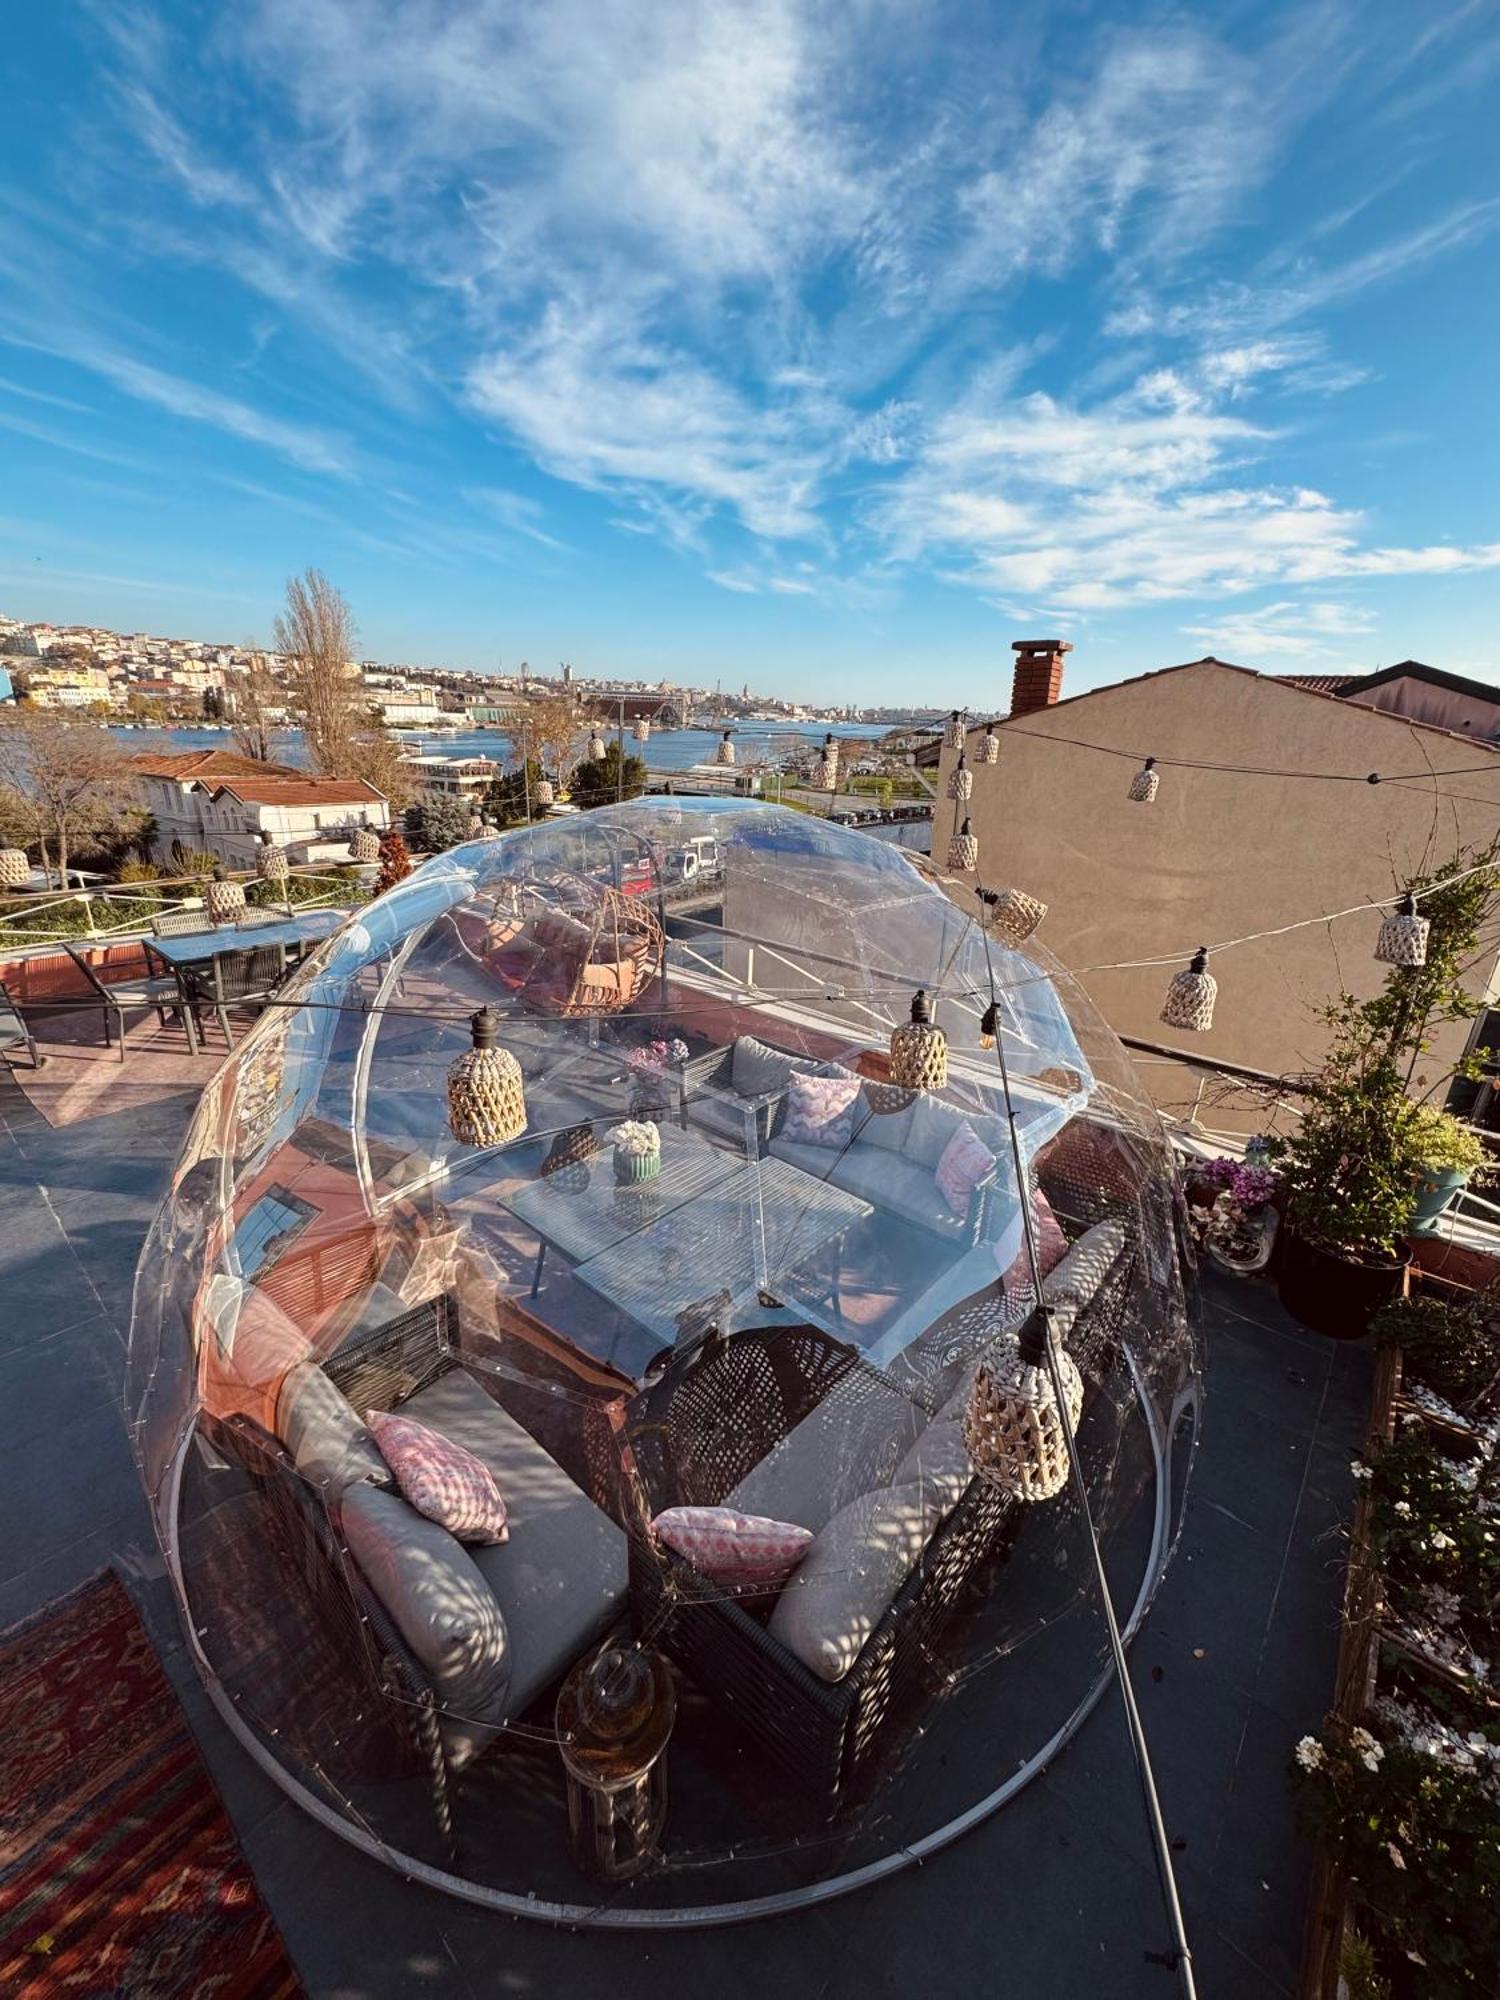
pixel 1218 856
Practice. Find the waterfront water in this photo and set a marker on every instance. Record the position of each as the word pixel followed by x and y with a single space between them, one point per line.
pixel 667 750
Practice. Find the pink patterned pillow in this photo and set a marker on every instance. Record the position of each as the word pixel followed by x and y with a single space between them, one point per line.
pixel 820 1110
pixel 741 1551
pixel 1051 1248
pixel 965 1162
pixel 441 1479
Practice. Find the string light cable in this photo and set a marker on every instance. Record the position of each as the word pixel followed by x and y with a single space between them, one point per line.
pixel 1180 1958
pixel 1491 769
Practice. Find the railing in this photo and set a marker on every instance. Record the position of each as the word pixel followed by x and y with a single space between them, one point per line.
pixel 26 926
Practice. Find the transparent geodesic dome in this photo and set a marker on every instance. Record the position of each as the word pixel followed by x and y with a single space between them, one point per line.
pixel 777 1309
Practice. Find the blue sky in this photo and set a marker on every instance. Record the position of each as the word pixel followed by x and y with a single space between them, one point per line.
pixel 828 347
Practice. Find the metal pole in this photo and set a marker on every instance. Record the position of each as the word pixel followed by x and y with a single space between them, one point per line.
pixel 620 774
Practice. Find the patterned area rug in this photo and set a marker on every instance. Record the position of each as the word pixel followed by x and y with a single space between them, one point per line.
pixel 81 1079
pixel 120 1874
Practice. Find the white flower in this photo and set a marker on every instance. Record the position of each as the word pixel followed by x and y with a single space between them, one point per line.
pixel 1371 1760
pixel 1360 1469
pixel 1370 1752
pixel 1442 1541
pixel 1310 1754
pixel 1398 1859
pixel 1403 1506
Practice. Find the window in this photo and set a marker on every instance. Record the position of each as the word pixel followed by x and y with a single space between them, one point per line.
pixel 267 1226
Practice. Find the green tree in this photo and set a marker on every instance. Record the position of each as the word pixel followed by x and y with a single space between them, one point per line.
pixel 438 824
pixel 598 780
pixel 507 798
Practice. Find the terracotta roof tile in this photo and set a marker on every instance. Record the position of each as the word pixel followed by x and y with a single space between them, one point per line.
pixel 205 764
pixel 297 791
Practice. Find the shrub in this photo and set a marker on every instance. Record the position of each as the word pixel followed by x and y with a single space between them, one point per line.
pixel 1452 1345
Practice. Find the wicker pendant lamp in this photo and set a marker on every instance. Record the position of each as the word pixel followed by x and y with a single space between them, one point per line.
pixel 223 899
pixel 825 772
pixel 15 869
pixel 1191 995
pixel 989 1026
pixel 364 845
pixel 597 751
pixel 544 793
pixel 642 730
pixel 1013 1429
pixel 725 752
pixel 919 1049
pixel 960 781
pixel 476 825
pixel 270 862
pixel 486 1097
pixel 989 747
pixel 953 735
pixel 1014 914
pixel 963 850
pixel 1144 785
pixel 1403 935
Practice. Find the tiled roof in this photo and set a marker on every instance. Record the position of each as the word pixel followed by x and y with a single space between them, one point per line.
pixel 1321 683
pixel 205 764
pixel 297 791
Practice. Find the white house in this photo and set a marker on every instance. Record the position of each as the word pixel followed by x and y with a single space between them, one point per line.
pixel 218 802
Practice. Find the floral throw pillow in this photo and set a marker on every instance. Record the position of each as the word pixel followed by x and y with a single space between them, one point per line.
pixel 440 1478
pixel 740 1551
pixel 820 1110
pixel 965 1162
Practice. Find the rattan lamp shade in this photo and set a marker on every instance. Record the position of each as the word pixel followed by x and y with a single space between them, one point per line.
pixel 1144 785
pixel 960 780
pixel 989 747
pixel 642 730
pixel 1191 995
pixel 486 1096
pixel 223 899
pixel 953 735
pixel 919 1049
pixel 1013 1429
pixel 365 844
pixel 544 792
pixel 476 825
pixel 1403 935
pixel 270 862
pixel 597 751
pixel 825 772
pixel 1015 914
pixel 725 752
pixel 963 850
pixel 15 869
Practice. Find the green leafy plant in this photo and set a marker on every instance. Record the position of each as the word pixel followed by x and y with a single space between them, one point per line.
pixel 1452 1345
pixel 1435 1537
pixel 598 781
pixel 1443 1141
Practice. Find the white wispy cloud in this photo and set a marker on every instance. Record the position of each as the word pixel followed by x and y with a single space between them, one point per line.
pixel 1290 629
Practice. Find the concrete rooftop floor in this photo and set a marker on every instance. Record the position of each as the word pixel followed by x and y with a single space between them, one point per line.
pixel 1055 1897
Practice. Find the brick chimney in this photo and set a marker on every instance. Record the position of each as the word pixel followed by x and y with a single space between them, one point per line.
pixel 1039 672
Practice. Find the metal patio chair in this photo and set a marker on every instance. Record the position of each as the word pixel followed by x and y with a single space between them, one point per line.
pixel 180 923
pixel 119 997
pixel 14 1033
pixel 243 979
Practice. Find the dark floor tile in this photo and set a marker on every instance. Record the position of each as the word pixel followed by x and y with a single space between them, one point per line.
pixel 61 1487
pixel 55 1377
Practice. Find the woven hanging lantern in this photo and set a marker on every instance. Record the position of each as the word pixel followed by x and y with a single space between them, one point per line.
pixel 1191 995
pixel 544 792
pixel 919 1049
pixel 364 845
pixel 270 862
pixel 725 752
pixel 1403 935
pixel 989 1026
pixel 960 781
pixel 989 747
pixel 953 735
pixel 597 751
pixel 223 899
pixel 1013 1429
pixel 963 850
pixel 1014 914
pixel 1143 786
pixel 15 869
pixel 486 1098
pixel 642 730
pixel 476 825
pixel 825 772
pixel 569 1159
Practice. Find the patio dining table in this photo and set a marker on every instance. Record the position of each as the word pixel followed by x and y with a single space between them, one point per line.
pixel 198 947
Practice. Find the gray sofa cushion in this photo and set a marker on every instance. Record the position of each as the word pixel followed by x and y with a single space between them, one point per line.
pixel 850 1444
pixel 895 1184
pixel 1071 1284
pixel 562 1576
pixel 844 1585
pixel 939 1463
pixel 755 1068
pixel 320 1428
pixel 441 1605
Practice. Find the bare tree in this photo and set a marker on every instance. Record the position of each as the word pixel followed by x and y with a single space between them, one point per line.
pixel 555 729
pixel 316 635
pixel 71 773
pixel 257 700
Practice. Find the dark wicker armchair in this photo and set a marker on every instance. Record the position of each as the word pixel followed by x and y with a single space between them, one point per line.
pixel 236 979
pixel 689 1440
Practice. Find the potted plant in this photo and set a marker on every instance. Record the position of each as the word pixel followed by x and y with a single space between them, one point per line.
pixel 1233 1218
pixel 1450 1154
pixel 637 1155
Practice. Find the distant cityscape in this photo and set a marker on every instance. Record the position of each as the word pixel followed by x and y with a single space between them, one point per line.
pixel 155 681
